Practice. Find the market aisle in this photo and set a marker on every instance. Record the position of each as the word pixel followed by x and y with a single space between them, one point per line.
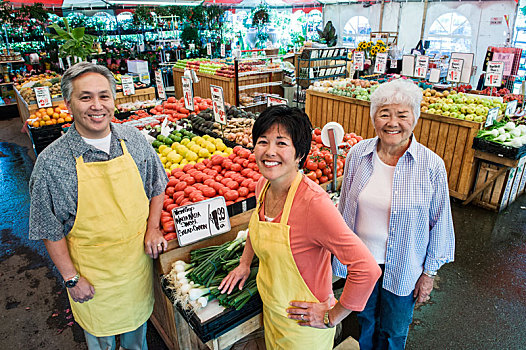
pixel 479 303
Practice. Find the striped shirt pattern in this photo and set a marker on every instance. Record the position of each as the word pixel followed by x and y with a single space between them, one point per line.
pixel 421 235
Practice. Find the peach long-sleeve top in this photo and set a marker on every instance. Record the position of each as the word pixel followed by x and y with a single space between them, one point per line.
pixel 316 230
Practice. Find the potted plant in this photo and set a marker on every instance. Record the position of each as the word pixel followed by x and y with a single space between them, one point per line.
pixel 77 43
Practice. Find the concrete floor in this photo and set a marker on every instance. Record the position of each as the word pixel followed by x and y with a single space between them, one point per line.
pixel 479 301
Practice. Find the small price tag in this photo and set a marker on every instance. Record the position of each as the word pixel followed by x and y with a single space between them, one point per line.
pixel 68 59
pixel 127 85
pixel 511 107
pixel 209 49
pixel 94 61
pixel 421 66
pixel 160 85
pixel 494 74
pixel 188 93
pixel 380 64
pixel 61 63
pixel 223 50
pixel 191 46
pixel 492 116
pixel 393 64
pixel 201 220
pixel 358 60
pixel 454 70
pixel 43 97
pixel 254 54
pixel 218 103
pixel 275 101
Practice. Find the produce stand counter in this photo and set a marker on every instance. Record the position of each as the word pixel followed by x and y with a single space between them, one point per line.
pixel 176 332
pixel 450 138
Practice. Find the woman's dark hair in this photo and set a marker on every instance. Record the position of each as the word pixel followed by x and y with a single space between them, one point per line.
pixel 296 124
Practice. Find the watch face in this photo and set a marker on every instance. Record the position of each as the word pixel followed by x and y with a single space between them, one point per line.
pixel 71 283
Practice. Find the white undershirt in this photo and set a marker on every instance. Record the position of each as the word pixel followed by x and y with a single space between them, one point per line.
pixel 103 144
pixel 374 208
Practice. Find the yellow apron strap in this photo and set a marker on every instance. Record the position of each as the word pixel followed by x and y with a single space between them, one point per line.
pixel 290 198
pixel 124 148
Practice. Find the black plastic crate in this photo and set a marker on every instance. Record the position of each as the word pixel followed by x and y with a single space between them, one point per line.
pixel 242 206
pixel 221 323
pixel 44 136
pixel 498 149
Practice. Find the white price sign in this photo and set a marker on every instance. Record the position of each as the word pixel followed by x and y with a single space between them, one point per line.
pixel 201 220
pixel 511 107
pixel 43 97
pixel 454 71
pixel 394 64
pixel 209 49
pixel 494 74
pixel 492 116
pixel 160 85
pixel 421 66
pixel 218 103
pixel 380 65
pixel 223 50
pixel 254 54
pixel 188 93
pixel 358 60
pixel 275 101
pixel 127 85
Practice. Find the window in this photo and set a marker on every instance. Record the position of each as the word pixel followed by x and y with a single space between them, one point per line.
pixel 356 29
pixel 450 32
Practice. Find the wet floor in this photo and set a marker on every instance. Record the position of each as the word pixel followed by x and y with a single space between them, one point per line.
pixel 479 301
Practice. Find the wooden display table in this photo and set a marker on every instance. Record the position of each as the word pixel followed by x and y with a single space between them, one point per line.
pixel 450 138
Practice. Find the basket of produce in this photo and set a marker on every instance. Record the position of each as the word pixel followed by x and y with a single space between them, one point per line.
pixel 503 139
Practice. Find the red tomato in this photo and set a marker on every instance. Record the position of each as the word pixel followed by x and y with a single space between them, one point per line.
pixel 166 219
pixel 200 166
pixel 317 131
pixel 190 180
pixel 172 182
pixel 245 182
pixel 180 186
pixel 243 191
pixel 318 173
pixel 177 170
pixel 171 206
pixel 240 161
pixel 323 179
pixel 209 192
pixel 180 199
pixel 170 191
pixel 188 167
pixel 185 202
pixel 233 185
pixel 231 195
pixel 251 194
pixel 216 186
pixel 240 199
pixel 252 186
pixel 198 176
pixel 311 165
pixel 223 190
pixel 330 176
pixel 216 159
pixel 178 194
pixel 189 190
pixel 230 173
pixel 327 171
pixel 169 227
pixel 170 236
pixel 217 168
pixel 225 180
pixel 167 202
pixel 312 175
pixel 322 164
pixel 218 178
pixel 209 182
pixel 232 156
pixel 252 157
pixel 236 149
pixel 192 171
pixel 229 203
pixel 236 167
pixel 256 176
pixel 245 171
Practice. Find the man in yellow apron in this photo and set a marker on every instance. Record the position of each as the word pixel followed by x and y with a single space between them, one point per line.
pixel 96 200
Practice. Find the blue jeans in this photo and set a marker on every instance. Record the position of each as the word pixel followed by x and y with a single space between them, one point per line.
pixel 384 323
pixel 134 340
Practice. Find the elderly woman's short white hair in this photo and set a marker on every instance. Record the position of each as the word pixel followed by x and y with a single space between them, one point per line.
pixel 399 91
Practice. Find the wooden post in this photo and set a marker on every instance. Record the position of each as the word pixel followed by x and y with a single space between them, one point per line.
pixel 422 30
pixel 381 16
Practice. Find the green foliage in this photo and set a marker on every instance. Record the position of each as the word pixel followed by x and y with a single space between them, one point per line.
pixel 260 16
pixel 328 35
pixel 190 35
pixel 77 43
pixel 143 16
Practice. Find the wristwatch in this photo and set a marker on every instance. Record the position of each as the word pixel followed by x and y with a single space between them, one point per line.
pixel 72 282
pixel 326 320
pixel 429 273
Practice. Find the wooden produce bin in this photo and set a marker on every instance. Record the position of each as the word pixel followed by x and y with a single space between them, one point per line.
pixel 499 181
pixel 450 138
pixel 140 95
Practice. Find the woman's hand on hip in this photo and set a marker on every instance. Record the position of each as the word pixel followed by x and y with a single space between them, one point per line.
pixel 310 314
pixel 423 288
pixel 82 292
pixel 239 274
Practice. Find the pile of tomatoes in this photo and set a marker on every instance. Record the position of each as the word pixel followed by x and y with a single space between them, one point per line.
pixel 233 177
pixel 320 161
pixel 176 110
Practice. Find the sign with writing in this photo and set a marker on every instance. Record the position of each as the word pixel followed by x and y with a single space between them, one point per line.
pixel 209 49
pixel 434 75
pixel 454 71
pixel 492 116
pixel 511 107
pixel 394 64
pixel 507 58
pixel 223 50
pixel 380 65
pixel 188 93
pixel 127 85
pixel 195 222
pixel 61 63
pixel 160 85
pixel 495 21
pixel 358 60
pixel 421 66
pixel 43 97
pixel 275 101
pixel 218 103
pixel 494 74
pixel 68 59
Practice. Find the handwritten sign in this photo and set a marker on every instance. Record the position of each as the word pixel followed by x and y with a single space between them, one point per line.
pixel 454 71
pixel 209 49
pixel 393 64
pixel 195 222
pixel 492 116
pixel 380 65
pixel 188 93
pixel 275 101
pixel 160 85
pixel 358 60
pixel 421 66
pixel 223 50
pixel 511 107
pixel 218 103
pixel 43 97
pixel 127 85
pixel 494 74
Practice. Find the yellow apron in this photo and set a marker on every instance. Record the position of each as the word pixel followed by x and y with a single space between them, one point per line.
pixel 106 245
pixel 279 282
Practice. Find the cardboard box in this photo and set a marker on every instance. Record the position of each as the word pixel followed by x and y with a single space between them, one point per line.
pixel 137 66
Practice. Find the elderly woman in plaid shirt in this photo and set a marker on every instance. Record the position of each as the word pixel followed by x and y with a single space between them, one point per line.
pixel 395 198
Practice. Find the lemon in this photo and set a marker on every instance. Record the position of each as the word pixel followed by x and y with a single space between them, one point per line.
pixel 206 137
pixel 168 165
pixel 203 153
pixel 166 151
pixel 184 142
pixel 174 145
pixel 163 160
pixel 183 162
pixel 177 158
pixel 220 146
pixel 228 150
pixel 218 152
pixel 210 147
pixel 191 156
pixel 192 162
pixel 195 148
pixel 182 150
pixel 172 155
pixel 162 147
pixel 173 166
pixel 190 144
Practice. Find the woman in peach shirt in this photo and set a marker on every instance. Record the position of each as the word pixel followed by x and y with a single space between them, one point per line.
pixel 293 231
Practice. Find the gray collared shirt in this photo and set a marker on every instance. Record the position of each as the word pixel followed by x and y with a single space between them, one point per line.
pixel 54 187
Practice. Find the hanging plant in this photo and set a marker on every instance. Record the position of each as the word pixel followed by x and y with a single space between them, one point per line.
pixel 143 16
pixel 214 15
pixel 190 35
pixel 77 43
pixel 197 15
pixel 260 17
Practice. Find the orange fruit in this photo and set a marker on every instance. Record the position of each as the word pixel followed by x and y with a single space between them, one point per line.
pixel 46 117
pixel 42 110
pixel 36 124
pixel 55 115
pixel 50 111
pixel 60 120
pixel 62 106
pixel 57 110
pixel 53 121
pixel 32 116
pixel 68 119
pixel 38 115
pixel 42 123
pixel 63 115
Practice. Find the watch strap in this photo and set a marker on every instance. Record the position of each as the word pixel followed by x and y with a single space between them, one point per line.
pixel 72 282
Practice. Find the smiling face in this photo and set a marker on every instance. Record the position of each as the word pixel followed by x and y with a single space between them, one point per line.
pixel 394 125
pixel 91 105
pixel 276 155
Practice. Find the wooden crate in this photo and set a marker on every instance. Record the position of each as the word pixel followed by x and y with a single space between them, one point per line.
pixel 140 95
pixel 450 138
